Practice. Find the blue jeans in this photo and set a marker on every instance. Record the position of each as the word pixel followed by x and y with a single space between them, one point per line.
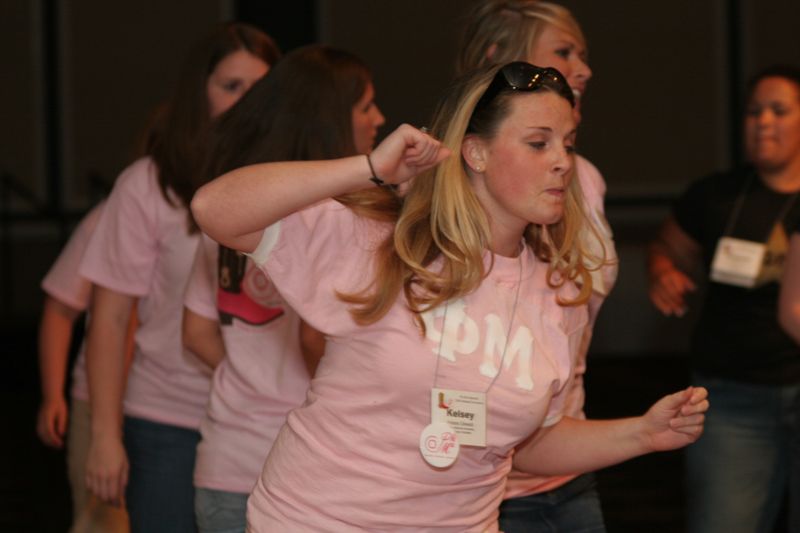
pixel 738 470
pixel 160 493
pixel 219 511
pixel 573 507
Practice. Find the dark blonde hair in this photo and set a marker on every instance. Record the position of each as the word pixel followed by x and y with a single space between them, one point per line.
pixel 511 28
pixel 443 220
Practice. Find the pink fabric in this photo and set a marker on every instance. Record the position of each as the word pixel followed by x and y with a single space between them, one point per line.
pixel 142 248
pixel 594 188
pixel 349 460
pixel 63 283
pixel 262 377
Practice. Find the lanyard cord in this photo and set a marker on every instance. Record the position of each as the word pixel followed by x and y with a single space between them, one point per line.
pixel 737 208
pixel 508 333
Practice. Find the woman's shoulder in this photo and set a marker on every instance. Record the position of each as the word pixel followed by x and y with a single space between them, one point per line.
pixel 592 183
pixel 139 178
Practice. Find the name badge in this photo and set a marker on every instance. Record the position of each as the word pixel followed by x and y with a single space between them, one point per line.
pixel 737 262
pixel 463 411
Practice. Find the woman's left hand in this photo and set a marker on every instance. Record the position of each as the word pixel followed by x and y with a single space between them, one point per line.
pixel 676 420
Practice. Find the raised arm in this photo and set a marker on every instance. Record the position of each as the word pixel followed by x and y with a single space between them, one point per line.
pixel 670 259
pixel 235 208
pixel 573 446
pixel 789 301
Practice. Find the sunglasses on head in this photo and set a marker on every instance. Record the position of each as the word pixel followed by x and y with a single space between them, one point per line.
pixel 522 76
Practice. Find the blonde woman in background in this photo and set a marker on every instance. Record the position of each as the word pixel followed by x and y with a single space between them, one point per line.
pixel 546 34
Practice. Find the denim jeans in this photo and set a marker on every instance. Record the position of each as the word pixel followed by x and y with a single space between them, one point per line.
pixel 573 507
pixel 219 511
pixel 738 470
pixel 160 493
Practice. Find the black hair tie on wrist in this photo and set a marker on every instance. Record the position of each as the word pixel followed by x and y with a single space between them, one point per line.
pixel 374 179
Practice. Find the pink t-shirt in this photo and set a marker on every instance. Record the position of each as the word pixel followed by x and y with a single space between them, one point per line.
pixel 262 377
pixel 349 459
pixel 594 189
pixel 63 283
pixel 142 248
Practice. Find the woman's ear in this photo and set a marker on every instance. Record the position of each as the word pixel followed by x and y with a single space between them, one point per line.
pixel 473 150
pixel 491 51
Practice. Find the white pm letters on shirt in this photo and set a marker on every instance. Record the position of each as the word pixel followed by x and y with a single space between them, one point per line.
pixel 461 335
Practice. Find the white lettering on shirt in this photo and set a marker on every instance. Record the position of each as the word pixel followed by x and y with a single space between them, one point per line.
pixel 461 335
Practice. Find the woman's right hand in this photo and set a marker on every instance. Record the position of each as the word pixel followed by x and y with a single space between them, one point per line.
pixel 405 153
pixel 51 423
pixel 668 289
pixel 107 469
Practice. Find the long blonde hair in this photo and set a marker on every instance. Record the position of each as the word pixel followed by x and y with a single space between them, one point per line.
pixel 509 29
pixel 443 221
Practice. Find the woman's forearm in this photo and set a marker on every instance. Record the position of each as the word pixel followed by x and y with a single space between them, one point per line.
pixel 575 446
pixel 235 208
pixel 105 358
pixel 55 335
pixel 203 338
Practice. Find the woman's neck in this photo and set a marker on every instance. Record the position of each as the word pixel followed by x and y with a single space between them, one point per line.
pixel 508 246
pixel 785 179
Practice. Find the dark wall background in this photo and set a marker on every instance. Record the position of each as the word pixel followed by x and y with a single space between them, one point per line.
pixel 82 77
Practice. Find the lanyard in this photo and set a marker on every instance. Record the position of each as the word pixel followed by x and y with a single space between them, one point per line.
pixel 737 209
pixel 508 333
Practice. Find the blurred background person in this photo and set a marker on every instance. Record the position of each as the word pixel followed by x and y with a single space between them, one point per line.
pixel 730 231
pixel 67 296
pixel 140 255
pixel 316 103
pixel 546 34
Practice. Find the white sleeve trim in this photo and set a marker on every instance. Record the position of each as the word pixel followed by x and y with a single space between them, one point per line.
pixel 268 241
pixel 552 420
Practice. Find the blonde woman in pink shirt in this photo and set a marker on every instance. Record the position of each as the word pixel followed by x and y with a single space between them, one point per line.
pixel 316 103
pixel 140 256
pixel 545 33
pixel 451 319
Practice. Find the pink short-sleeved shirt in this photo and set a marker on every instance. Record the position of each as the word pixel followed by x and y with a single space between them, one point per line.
pixel 594 188
pixel 142 248
pixel 262 377
pixel 349 459
pixel 63 283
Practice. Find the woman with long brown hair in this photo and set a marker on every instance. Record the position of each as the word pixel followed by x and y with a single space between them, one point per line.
pixel 140 255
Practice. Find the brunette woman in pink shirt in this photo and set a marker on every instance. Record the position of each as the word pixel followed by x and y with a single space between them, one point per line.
pixel 316 103
pixel 140 255
pixel 452 319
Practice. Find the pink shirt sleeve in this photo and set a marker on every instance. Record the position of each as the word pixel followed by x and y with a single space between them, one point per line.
pixel 315 253
pixel 123 252
pixel 62 281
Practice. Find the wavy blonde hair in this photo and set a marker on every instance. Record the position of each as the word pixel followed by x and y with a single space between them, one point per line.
pixel 442 220
pixel 512 28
